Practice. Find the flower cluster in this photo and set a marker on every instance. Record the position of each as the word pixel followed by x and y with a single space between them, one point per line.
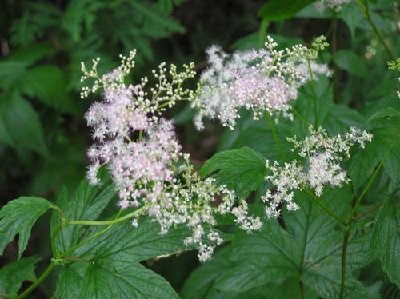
pixel 335 5
pixel 264 80
pixel 395 65
pixel 144 158
pixel 321 167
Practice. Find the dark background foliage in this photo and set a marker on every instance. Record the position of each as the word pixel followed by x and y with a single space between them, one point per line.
pixel 43 136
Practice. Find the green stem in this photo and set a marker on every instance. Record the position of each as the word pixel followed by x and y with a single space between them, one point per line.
pixel 335 68
pixel 350 223
pixel 313 92
pixel 370 181
pixel 344 260
pixel 275 136
pixel 363 4
pixel 108 222
pixel 37 282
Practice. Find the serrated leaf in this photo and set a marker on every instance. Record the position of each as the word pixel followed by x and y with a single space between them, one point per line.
pixel 350 62
pixel 13 274
pixel 242 170
pixel 87 203
pixel 277 10
pixel 18 217
pixel 309 249
pixel 363 162
pixel 21 122
pixel 114 260
pixel 385 240
pixel 340 118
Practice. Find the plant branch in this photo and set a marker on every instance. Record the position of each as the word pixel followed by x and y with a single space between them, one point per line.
pixel 37 282
pixel 326 209
pixel 275 135
pixel 313 92
pixel 344 259
pixel 363 4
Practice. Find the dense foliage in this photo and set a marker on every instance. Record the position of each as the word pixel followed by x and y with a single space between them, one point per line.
pixel 267 168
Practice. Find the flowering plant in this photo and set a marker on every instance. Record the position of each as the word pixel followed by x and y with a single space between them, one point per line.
pixel 303 193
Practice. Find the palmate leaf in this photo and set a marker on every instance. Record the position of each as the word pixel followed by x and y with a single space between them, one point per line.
pixel 18 217
pixel 385 241
pixel 86 203
pixel 13 274
pixel 112 266
pixel 242 170
pixel 309 249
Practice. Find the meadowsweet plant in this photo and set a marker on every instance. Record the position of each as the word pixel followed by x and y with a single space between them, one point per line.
pixel 264 81
pixel 294 193
pixel 145 160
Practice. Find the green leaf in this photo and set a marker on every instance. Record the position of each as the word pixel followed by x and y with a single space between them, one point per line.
pixel 277 10
pixel 363 163
pixel 114 260
pixel 242 170
pixel 340 118
pixel 13 274
pixel 19 120
pixel 385 240
pixel 308 249
pixel 87 203
pixel 49 84
pixel 350 62
pixel 17 217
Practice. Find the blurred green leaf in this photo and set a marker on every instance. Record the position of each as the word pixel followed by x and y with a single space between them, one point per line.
pixel 17 217
pixel 19 120
pixel 49 84
pixel 242 170
pixel 13 274
pixel 385 241
pixel 277 10
pixel 350 62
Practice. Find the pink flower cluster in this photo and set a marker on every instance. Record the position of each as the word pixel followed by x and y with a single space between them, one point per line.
pixel 263 81
pixel 144 158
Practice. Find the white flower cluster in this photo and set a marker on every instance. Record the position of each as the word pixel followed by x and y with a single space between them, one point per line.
pixel 264 80
pixel 335 5
pixel 144 158
pixel 321 167
pixel 395 65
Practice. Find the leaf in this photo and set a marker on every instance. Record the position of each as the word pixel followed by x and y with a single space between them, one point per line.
pixel 114 270
pixel 19 120
pixel 49 84
pixel 340 118
pixel 17 217
pixel 385 240
pixel 383 129
pixel 87 203
pixel 277 10
pixel 309 249
pixel 13 274
pixel 242 170
pixel 350 62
